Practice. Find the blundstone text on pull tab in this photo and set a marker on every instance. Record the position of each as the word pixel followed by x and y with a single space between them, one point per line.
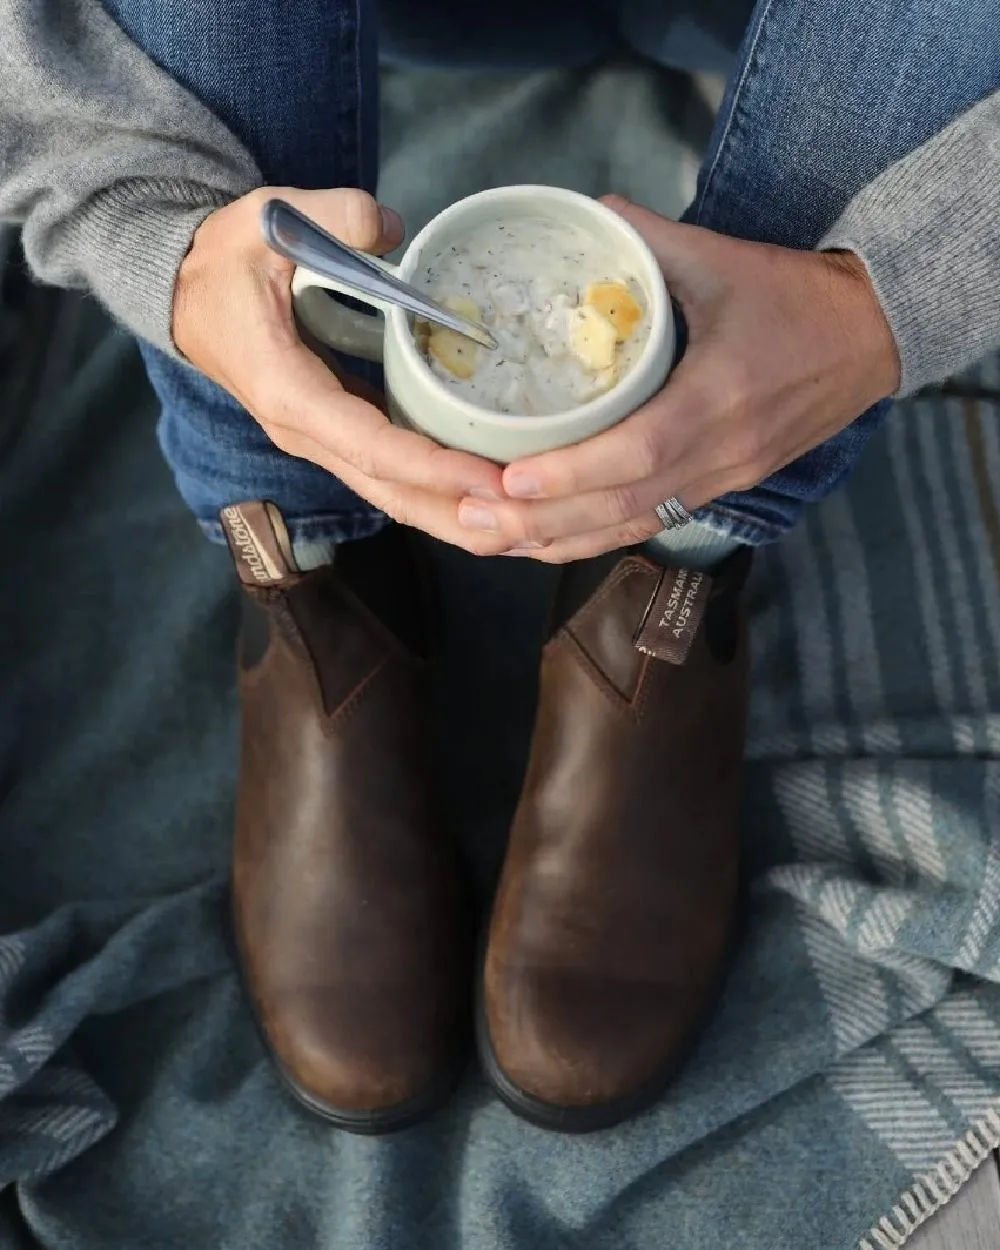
pixel 255 548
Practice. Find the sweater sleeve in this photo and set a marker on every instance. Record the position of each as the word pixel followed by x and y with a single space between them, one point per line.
pixel 106 162
pixel 928 231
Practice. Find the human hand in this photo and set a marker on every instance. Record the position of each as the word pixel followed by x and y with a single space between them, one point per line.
pixel 785 348
pixel 233 319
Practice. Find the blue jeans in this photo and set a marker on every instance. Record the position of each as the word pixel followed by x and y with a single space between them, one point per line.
pixel 823 95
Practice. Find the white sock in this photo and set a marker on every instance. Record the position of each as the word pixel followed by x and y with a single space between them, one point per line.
pixel 692 546
pixel 313 553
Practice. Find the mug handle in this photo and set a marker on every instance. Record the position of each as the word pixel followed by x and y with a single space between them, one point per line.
pixel 349 331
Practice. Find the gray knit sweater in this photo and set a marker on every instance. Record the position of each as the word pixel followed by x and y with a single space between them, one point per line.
pixel 111 165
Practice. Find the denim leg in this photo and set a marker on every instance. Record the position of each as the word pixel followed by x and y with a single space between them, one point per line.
pixel 824 96
pixel 297 82
pixel 514 34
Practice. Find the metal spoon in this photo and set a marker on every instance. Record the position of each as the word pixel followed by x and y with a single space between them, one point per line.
pixel 301 240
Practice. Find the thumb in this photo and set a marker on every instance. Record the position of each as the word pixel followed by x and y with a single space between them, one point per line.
pixel 349 214
pixel 689 256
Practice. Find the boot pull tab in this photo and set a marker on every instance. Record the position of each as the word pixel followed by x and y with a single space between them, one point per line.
pixel 674 615
pixel 259 541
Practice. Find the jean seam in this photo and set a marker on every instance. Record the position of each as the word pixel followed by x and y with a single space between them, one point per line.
pixel 359 96
pixel 737 96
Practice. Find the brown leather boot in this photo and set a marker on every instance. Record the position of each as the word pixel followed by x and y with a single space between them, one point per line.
pixel 345 891
pixel 610 929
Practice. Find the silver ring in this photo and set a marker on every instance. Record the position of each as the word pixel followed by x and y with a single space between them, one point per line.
pixel 673 514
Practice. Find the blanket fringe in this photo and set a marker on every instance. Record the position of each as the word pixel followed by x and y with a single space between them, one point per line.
pixel 936 1189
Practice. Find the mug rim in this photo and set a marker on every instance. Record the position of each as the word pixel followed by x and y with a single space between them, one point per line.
pixel 660 312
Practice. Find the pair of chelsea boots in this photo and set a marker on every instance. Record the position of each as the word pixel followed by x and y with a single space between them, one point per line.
pixel 609 932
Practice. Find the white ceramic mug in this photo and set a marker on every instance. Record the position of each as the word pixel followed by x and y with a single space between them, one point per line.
pixel 422 402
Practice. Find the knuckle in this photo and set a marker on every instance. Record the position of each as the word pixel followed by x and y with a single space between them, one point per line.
pixel 524 530
pixel 363 459
pixel 732 388
pixel 647 450
pixel 745 449
pixel 621 504
pixel 252 203
pixel 258 197
pixel 360 217
pixel 246 232
pixel 378 455
pixel 639 531
pixel 483 545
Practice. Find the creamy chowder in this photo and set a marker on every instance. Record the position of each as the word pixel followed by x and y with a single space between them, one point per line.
pixel 569 323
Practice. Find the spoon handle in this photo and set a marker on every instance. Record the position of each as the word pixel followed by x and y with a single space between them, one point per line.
pixel 302 241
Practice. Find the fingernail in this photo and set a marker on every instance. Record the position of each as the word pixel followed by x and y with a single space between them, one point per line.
pixel 520 486
pixel 482 492
pixel 392 223
pixel 477 517
pixel 527 546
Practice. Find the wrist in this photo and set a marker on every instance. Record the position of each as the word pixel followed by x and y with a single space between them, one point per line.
pixel 873 344
pixel 198 274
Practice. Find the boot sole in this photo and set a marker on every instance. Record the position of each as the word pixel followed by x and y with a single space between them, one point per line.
pixel 380 1123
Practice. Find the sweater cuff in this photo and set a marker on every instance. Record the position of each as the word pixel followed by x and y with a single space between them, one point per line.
pixel 138 232
pixel 927 232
